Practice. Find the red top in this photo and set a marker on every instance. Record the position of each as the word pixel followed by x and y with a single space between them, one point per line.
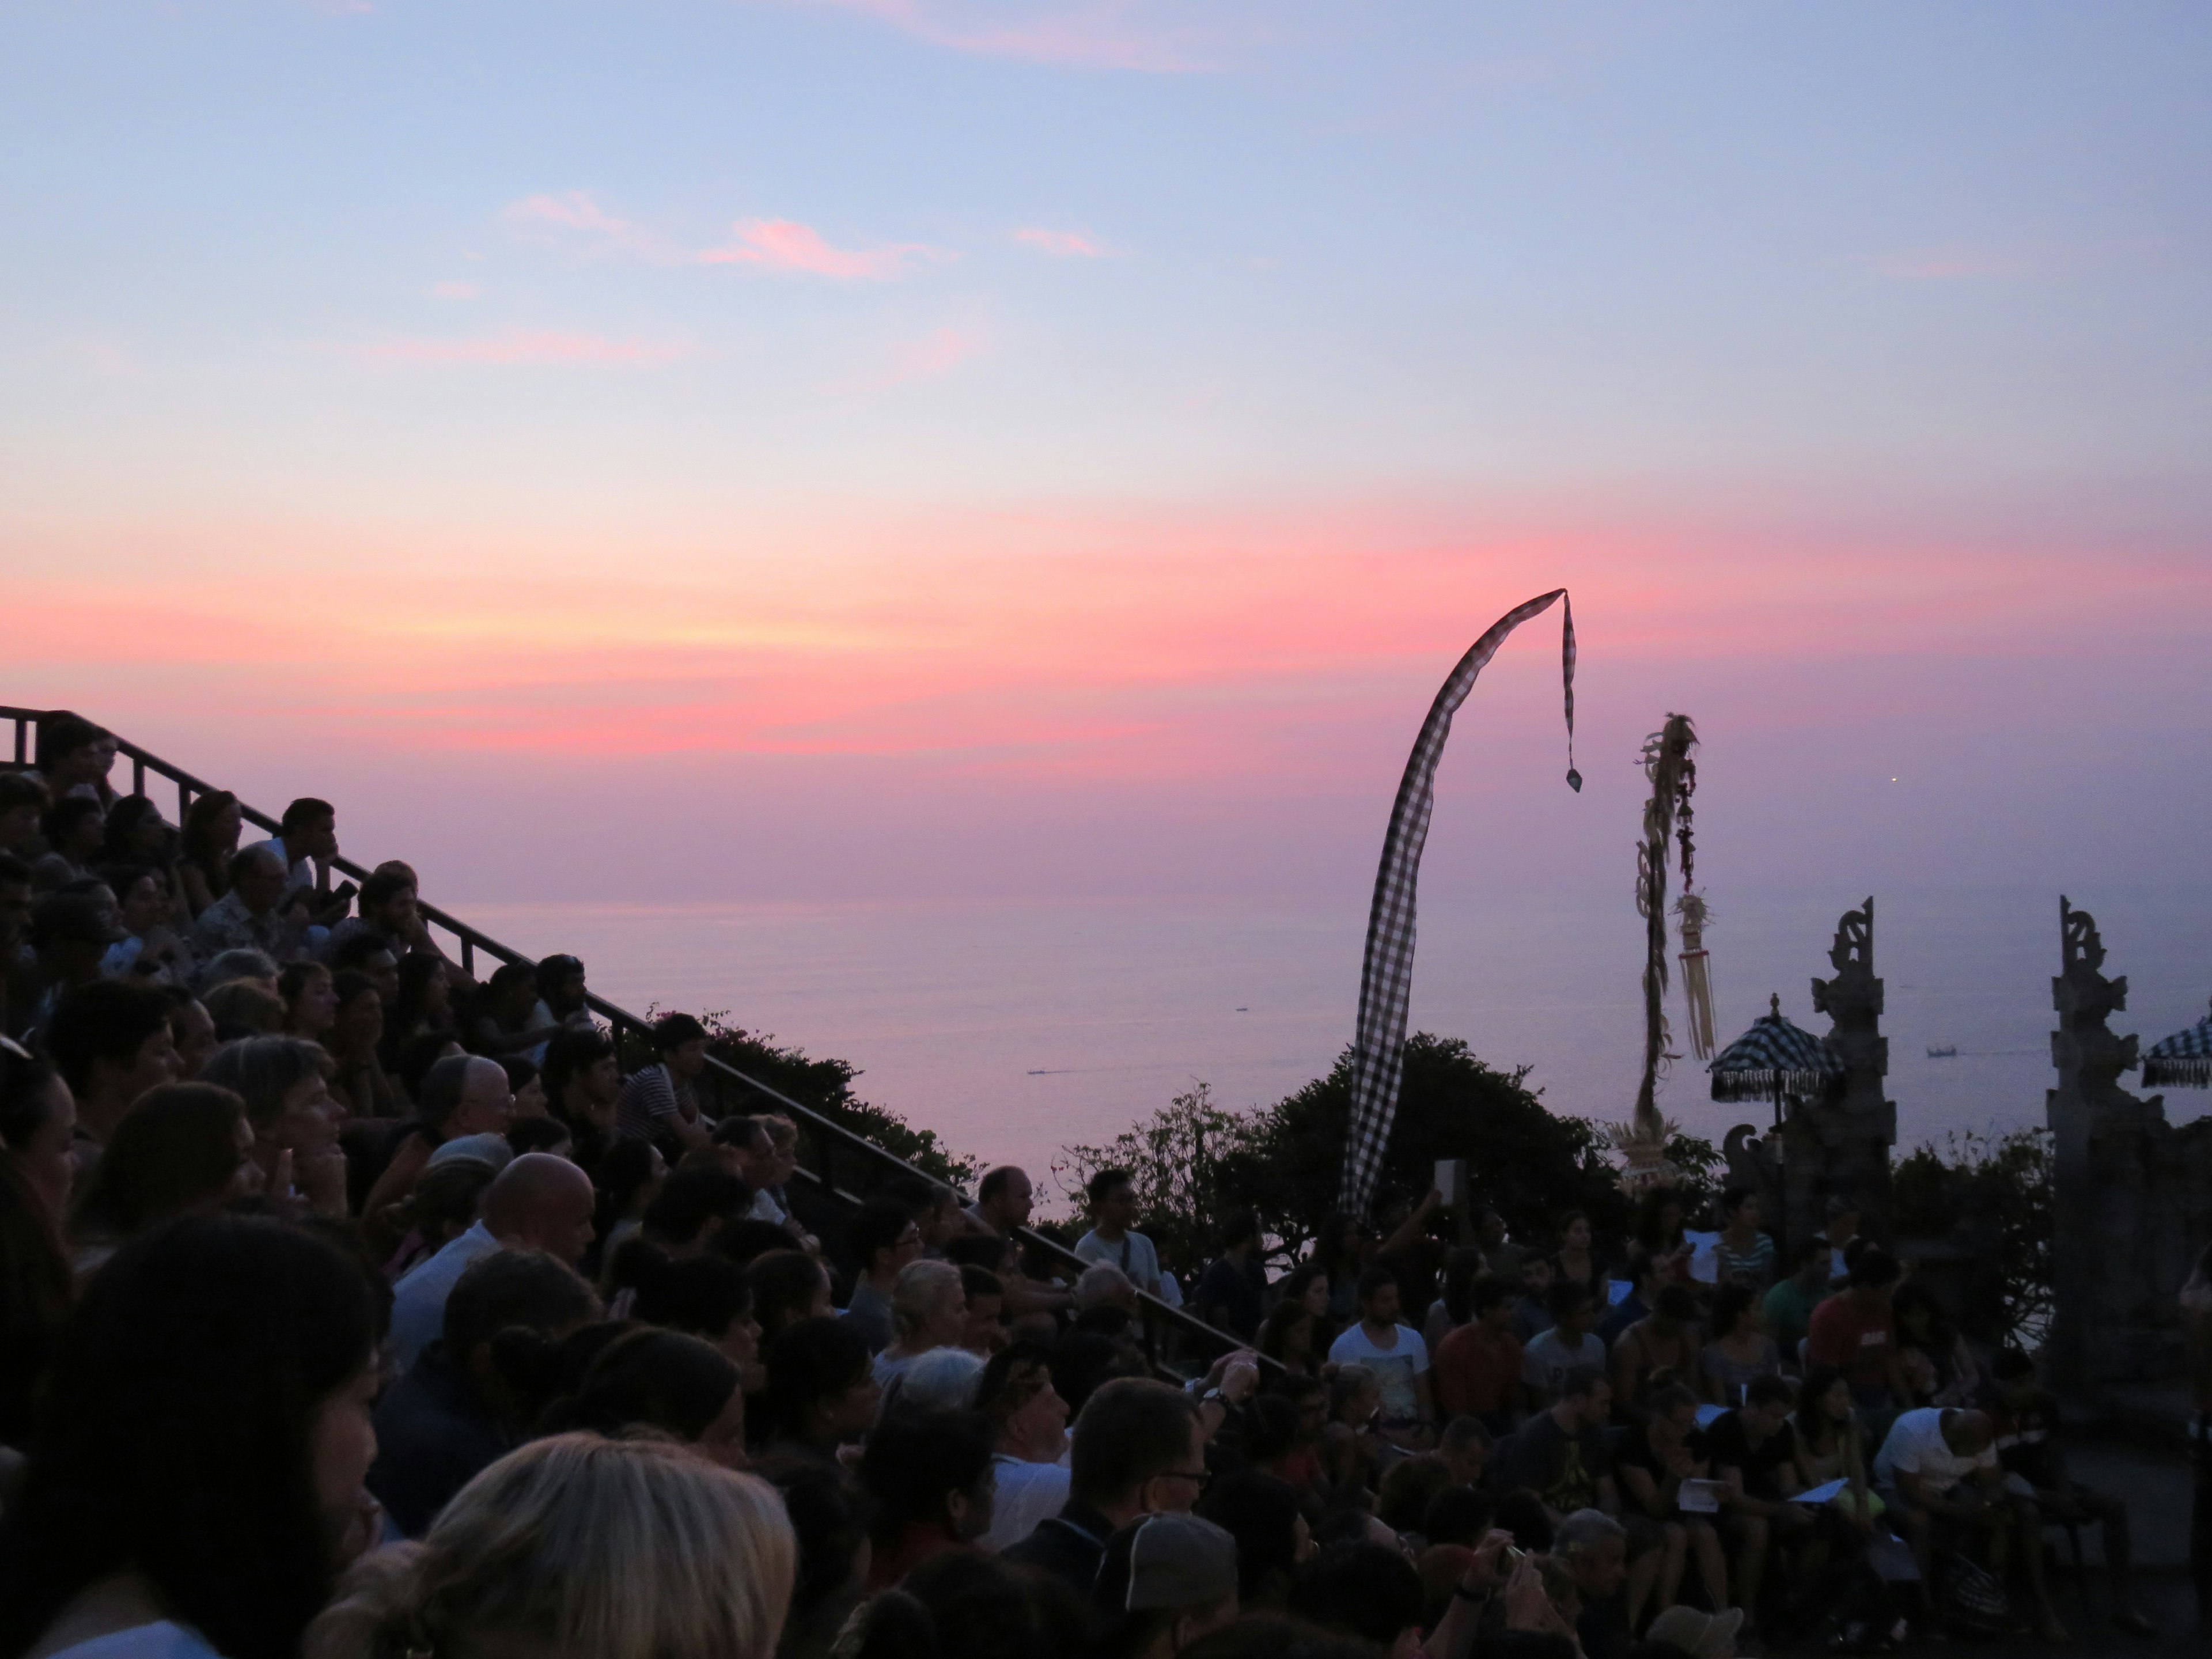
pixel 1473 1369
pixel 1855 1341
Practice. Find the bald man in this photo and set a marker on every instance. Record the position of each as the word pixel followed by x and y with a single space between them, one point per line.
pixel 539 1202
pixel 1941 1475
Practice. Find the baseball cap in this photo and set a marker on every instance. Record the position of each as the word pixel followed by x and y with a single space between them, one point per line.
pixel 485 1149
pixel 79 917
pixel 1166 1561
pixel 1700 1635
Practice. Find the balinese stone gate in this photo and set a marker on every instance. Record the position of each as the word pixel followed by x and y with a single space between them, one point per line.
pixel 1841 1145
pixel 2120 1244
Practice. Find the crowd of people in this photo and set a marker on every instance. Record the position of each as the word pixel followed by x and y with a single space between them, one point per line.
pixel 352 1308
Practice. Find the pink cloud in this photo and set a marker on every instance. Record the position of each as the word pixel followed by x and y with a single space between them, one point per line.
pixel 578 211
pixel 786 245
pixel 1098 34
pixel 526 345
pixel 1064 244
pixel 456 290
pixel 938 352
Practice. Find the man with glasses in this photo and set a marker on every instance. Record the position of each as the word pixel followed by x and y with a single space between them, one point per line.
pixel 884 1238
pixel 1138 1448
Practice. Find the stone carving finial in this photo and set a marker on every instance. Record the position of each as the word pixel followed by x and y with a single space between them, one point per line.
pixel 2079 940
pixel 1854 939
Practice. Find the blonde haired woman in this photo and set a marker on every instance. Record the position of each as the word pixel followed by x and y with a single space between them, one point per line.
pixel 583 1547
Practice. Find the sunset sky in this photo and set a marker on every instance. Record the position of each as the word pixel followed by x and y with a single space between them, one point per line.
pixel 882 448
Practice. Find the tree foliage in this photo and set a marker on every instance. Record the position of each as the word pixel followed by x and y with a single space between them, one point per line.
pixel 1174 1159
pixel 1993 1195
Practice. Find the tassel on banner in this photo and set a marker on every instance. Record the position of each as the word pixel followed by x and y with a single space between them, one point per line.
pixel 1697 973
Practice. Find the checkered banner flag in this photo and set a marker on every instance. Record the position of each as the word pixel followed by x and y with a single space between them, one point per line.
pixel 1387 980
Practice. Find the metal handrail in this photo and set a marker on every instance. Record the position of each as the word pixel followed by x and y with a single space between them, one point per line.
pixel 472 939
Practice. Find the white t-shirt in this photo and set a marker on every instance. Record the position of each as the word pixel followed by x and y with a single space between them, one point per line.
pixel 160 1640
pixel 1396 1367
pixel 1132 1253
pixel 1547 1359
pixel 1916 1446
pixel 1023 1494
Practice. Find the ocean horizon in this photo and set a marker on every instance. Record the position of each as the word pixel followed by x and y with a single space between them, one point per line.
pixel 1016 1028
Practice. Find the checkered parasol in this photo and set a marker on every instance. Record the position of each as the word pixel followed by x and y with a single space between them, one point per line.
pixel 2183 1061
pixel 1386 982
pixel 1773 1059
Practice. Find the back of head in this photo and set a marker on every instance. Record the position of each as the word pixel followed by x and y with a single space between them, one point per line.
pixel 242 1008
pixel 261 1071
pixel 109 1019
pixel 511 1289
pixel 1260 1512
pixel 1131 1429
pixel 1365 1590
pixel 533 1190
pixel 747 1241
pixel 175 1438
pixel 700 1294
pixel 917 1292
pixel 691 1198
pixel 617 1549
pixel 785 1285
pixel 655 1379
pixel 1409 1485
pixel 1458 1515
pixel 176 1149
pixel 878 1224
pixel 942 1380
pixel 811 1361
pixel 1874 1269
pixel 441 1089
pixel 915 1460
pixel 1584 1532
pixel 672 1031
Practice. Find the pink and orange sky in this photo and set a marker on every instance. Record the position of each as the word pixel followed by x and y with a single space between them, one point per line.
pixel 927 448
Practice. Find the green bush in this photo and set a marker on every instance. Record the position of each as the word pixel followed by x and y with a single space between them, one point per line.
pixel 1995 1196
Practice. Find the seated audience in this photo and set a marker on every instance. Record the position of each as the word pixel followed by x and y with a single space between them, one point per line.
pixel 583 1081
pixel 1938 1367
pixel 929 1309
pixel 387 910
pixel 1645 1277
pixel 1028 1422
pixel 1745 1256
pixel 306 840
pixel 1737 1346
pixel 182 1149
pixel 525 1085
pixel 574 1545
pixel 828 1516
pixel 146 910
pixel 1351 1446
pixel 1004 1199
pixel 1139 1448
pixel 460 1095
pixel 356 1032
pixel 983 1331
pixel 628 1176
pixel 469 1399
pixel 708 1296
pixel 259 912
pixel 284 1082
pixel 1569 1345
pixel 1854 1331
pixel 243 1009
pixel 1465 1447
pixel 1755 1454
pixel 1260 1512
pixel 37 1119
pixel 74 757
pixel 1658 1349
pixel 537 1203
pixel 442 1207
pixel 657 1102
pixel 1290 1335
pixel 112 1042
pixel 788 1285
pixel 1165 1581
pixel 206 843
pixel 1829 1445
pixel 1453 1307
pixel 195 1486
pixel 420 1007
pixel 192 1031
pixel 258 966
pixel 929 1472
pixel 1593 1546
pixel 22 803
pixel 1395 1355
pixel 1480 1370
pixel 310 1000
pixel 822 1393
pixel 1364 1589
pixel 1532 1313
pixel 1655 1461
pixel 665 1381
pixel 1232 1290
pixel 1788 1306
pixel 1577 1261
pixel 70 935
pixel 74 829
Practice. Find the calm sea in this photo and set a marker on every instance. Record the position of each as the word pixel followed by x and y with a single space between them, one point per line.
pixel 1015 1029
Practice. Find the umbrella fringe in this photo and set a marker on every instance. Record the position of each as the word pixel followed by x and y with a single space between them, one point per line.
pixel 1739 1087
pixel 2160 1073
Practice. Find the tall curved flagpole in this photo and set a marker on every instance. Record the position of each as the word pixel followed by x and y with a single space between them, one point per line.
pixel 1386 982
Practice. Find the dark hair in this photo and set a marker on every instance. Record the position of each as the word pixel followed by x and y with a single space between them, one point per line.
pixel 195 837
pixel 251 854
pixel 355 949
pixel 175 1149
pixel 980 1281
pixel 1272 1422
pixel 551 970
pixel 1302 1277
pixel 1874 1267
pixel 876 1225
pixel 418 1056
pixel 513 1287
pixel 1131 1429
pixel 21 789
pixel 262 1070
pixel 1805 1250
pixel 304 812
pixel 830 1521
pixel 960 1605
pixel 1650 1213
pixel 1406 1488
pixel 126 819
pixel 1678 1303
pixel 1813 1423
pixel 1275 1330
pixel 177 1439
pixel 1731 1304
pixel 512 976
pixel 703 1294
pixel 1667 1395
pixel 61 733
pixel 994 1387
pixel 27 1097
pixel 1237 1226
pixel 1566 1298
pixel 813 1360
pixel 672 1031
pixel 383 884
pixel 1260 1512
pixel 1105 1183
pixel 1372 1281
pixel 692 1196
pixel 1581 1381
pixel 536 1134
pixel 1365 1590
pixel 785 1284
pixel 976 1250
pixel 1487 1292
pixel 60 820
pixel 737 1130
pixel 657 1379
pixel 1769 1390
pixel 995 1181
pixel 443 1085
pixel 1458 1515
pixel 747 1239
pixel 447 1195
pixel 1464 1266
pixel 1916 1297
pixel 109 1019
pixel 914 1459
pixel 347 983
pixel 410 1006
pixel 573 1050
pixel 35 1281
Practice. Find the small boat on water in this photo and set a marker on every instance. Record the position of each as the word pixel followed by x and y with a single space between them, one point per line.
pixel 1946 1051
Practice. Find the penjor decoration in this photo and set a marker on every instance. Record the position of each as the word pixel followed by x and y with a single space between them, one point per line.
pixel 1697 973
pixel 1386 981
pixel 1642 1141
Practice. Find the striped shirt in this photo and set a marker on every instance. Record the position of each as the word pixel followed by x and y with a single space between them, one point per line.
pixel 649 1100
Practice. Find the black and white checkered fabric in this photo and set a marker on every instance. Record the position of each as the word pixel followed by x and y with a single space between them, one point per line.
pixel 1774 1055
pixel 2183 1061
pixel 1386 982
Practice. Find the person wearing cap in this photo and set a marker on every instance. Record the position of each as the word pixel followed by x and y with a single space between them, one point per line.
pixel 1166 1580
pixel 538 1203
pixel 1696 1635
pixel 1138 1448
